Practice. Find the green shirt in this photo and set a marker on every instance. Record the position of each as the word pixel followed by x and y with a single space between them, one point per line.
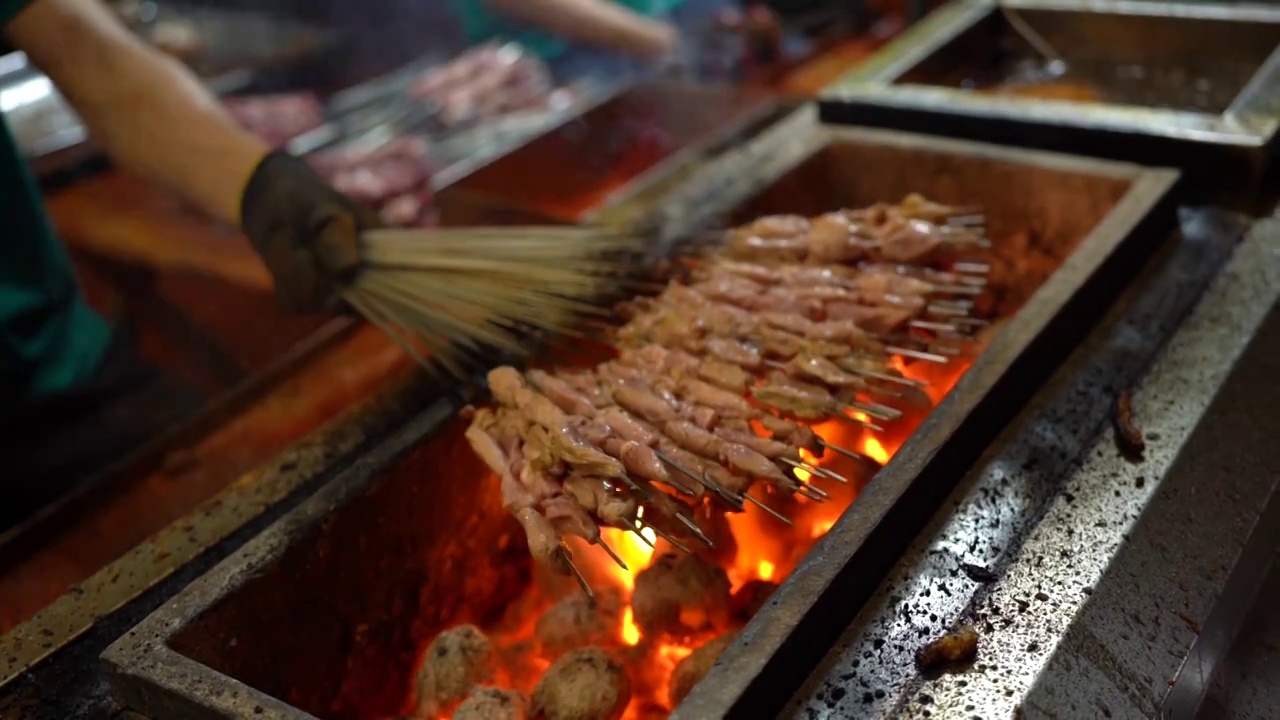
pixel 49 337
pixel 480 25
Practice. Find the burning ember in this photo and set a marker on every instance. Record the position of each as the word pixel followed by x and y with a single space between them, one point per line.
pixel 667 600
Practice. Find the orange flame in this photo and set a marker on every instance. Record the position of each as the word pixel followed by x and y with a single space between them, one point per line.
pixel 822 527
pixel 761 550
pixel 872 448
pixel 630 632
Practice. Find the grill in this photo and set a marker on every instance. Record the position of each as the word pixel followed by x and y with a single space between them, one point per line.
pixel 325 613
pixel 1136 101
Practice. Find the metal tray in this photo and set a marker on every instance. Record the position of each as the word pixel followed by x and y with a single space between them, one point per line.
pixel 380 108
pixel 917 82
pixel 376 112
pixel 333 593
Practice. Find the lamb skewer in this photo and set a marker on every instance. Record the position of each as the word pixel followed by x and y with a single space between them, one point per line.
pixel 655 360
pixel 779 428
pixel 734 408
pixel 678 435
pixel 683 317
pixel 544 540
pixel 804 366
pixel 621 436
pixel 876 314
pixel 799 320
pixel 563 441
pixel 877 281
pixel 850 236
pixel 739 463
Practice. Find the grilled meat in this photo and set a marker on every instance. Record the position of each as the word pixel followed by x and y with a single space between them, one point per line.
pixel 876 234
pixel 564 444
pixel 716 379
pixel 614 508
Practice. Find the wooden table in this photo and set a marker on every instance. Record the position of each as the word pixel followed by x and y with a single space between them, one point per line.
pixel 213 279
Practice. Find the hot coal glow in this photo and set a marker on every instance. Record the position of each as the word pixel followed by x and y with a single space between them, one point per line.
pixel 755 551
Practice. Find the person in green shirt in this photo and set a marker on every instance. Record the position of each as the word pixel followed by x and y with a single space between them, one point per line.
pixel 630 28
pixel 64 374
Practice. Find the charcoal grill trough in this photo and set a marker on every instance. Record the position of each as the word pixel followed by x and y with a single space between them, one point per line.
pixel 1163 83
pixel 324 614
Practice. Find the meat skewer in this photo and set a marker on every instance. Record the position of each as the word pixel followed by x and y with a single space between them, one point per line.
pixel 634 445
pixel 816 290
pixel 875 314
pixel 930 275
pixel 563 442
pixel 849 236
pixel 667 416
pixel 510 390
pixel 799 321
pixel 684 318
pixel 543 493
pixel 736 408
pixel 733 407
pixel 544 541
pixel 875 280
pixel 612 429
pixel 597 495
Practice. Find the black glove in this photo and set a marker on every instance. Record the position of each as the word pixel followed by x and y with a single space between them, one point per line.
pixel 306 232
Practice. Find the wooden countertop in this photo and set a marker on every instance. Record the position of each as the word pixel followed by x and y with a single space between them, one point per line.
pixel 123 221
pixel 121 217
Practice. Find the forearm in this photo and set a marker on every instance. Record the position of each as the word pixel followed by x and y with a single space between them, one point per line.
pixel 602 23
pixel 147 110
pixel 161 123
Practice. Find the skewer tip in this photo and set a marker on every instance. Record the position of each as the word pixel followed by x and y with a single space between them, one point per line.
pixel 766 508
pixel 605 546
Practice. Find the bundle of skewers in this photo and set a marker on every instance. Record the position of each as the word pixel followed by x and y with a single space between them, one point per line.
pixel 786 322
pixel 453 298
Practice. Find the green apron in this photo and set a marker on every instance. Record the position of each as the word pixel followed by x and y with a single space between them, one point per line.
pixel 50 339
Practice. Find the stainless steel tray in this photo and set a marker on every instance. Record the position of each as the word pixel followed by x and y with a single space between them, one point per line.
pixel 379 110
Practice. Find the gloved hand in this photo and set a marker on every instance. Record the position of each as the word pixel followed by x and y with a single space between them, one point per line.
pixel 306 232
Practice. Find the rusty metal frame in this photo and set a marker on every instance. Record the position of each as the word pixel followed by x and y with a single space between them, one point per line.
pixel 757 676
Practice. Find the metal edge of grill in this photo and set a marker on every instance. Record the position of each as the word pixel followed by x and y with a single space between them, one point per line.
pixel 1203 143
pixel 837 576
